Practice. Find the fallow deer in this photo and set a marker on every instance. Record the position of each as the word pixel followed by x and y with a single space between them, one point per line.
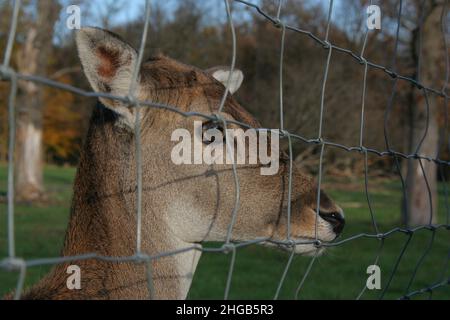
pixel 182 205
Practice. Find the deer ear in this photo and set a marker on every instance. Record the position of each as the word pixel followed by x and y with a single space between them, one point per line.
pixel 222 74
pixel 108 63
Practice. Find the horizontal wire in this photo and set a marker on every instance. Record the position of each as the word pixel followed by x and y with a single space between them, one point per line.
pixel 145 103
pixel 10 263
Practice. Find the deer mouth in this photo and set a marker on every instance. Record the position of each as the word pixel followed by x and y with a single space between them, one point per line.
pixel 306 246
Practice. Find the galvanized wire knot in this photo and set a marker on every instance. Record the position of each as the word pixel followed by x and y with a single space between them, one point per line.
pixel 317 243
pixel 132 101
pixel 218 118
pixel 228 247
pixel 290 243
pixel 12 264
pixel 278 23
pixel 362 60
pixel 285 133
pixel 409 232
pixel 392 74
pixel 141 257
pixel 6 72
pixel 318 141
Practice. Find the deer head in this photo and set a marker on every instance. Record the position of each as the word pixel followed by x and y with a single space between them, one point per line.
pixel 183 205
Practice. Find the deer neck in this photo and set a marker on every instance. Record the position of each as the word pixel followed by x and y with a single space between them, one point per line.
pixel 103 221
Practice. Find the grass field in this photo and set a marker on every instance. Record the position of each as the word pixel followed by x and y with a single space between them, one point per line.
pixel 339 274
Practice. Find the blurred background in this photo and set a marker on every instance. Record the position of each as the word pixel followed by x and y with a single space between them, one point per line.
pixel 51 125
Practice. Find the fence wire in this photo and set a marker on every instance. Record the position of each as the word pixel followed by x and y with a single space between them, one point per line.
pixel 7 73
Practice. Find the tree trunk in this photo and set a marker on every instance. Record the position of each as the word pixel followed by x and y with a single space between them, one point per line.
pixel 33 58
pixel 420 210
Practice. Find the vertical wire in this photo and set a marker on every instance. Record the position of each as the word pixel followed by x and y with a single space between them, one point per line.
pixel 397 263
pixel 138 150
pixel 361 134
pixel 322 97
pixel 285 271
pixel 12 128
pixel 430 197
pixel 445 268
pixel 322 103
pixel 20 281
pixel 386 137
pixel 366 167
pixel 322 107
pixel 363 101
pixel 330 10
pixel 228 148
pixel 388 112
pixel 419 53
pixel 12 33
pixel 366 191
pixel 377 258
pixel 445 129
pixel 281 106
pixel 420 261
pixel 319 185
pixel 283 33
pixel 289 198
pixel 365 38
pixel 280 4
pixel 416 152
pixel 308 270
pixel 230 272
pixel 149 278
pixel 11 148
pixel 137 129
pixel 228 244
pixel 236 184
pixel 233 58
pixel 220 118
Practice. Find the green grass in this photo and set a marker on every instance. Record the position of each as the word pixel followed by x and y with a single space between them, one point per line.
pixel 339 274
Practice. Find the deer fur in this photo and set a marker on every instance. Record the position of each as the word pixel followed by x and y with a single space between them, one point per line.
pixel 183 205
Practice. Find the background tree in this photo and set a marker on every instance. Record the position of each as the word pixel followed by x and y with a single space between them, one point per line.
pixel 33 58
pixel 429 56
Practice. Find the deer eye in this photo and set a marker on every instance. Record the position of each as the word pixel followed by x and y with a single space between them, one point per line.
pixel 211 131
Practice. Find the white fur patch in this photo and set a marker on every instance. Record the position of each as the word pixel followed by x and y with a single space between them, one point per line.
pixel 222 76
pixel 186 265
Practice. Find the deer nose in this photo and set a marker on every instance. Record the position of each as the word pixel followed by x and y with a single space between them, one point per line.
pixel 336 219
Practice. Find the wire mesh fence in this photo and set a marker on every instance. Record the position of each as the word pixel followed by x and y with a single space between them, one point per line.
pixel 15 263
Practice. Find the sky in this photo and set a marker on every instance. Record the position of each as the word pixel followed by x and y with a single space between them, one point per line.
pixel 95 11
pixel 132 9
pixel 135 8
